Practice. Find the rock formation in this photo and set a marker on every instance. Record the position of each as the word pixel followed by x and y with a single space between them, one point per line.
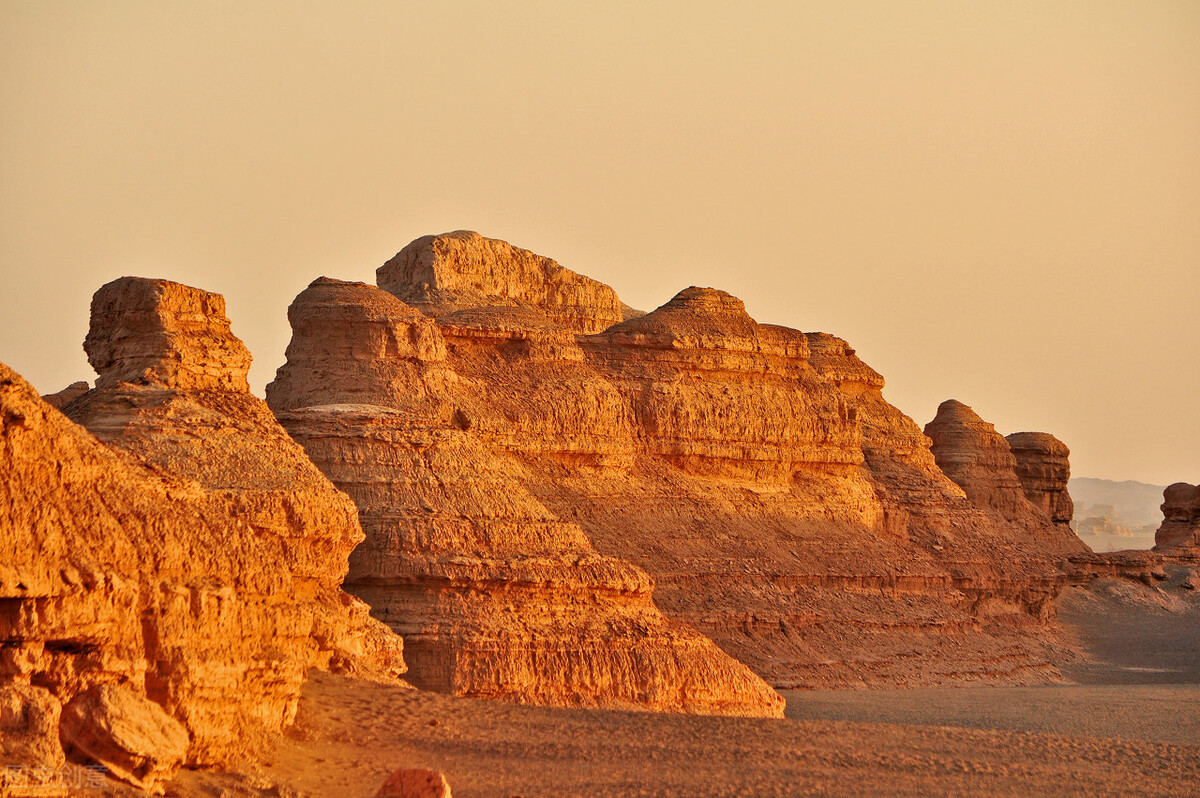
pixel 1043 468
pixel 67 395
pixel 780 504
pixel 31 757
pixel 1180 529
pixel 979 460
pixel 195 555
pixel 131 736
pixel 463 269
pixel 495 595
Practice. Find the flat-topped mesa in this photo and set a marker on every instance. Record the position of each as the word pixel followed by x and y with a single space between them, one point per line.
pixel 1044 468
pixel 198 425
pixel 970 451
pixel 157 332
pixel 717 394
pixel 1180 529
pixel 442 273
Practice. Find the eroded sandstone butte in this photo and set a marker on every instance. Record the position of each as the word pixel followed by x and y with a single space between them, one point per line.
pixel 496 596
pixel 1180 528
pixel 185 546
pixel 755 472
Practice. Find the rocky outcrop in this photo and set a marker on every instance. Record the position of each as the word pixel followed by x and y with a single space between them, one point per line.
pixel 495 595
pixel 129 735
pixel 715 394
pixel 67 395
pixel 1180 529
pixel 448 272
pixel 31 757
pixel 1043 468
pixel 194 555
pixel 781 506
pixel 156 332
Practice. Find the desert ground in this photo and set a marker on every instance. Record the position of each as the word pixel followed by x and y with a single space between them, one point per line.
pixel 1124 724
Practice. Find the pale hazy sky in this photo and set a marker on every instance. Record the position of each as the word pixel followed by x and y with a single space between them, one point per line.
pixel 995 202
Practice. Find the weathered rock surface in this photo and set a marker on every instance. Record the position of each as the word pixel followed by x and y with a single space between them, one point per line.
pixel 157 332
pixel 495 595
pixel 131 736
pixel 415 783
pixel 1180 529
pixel 196 558
pixel 780 504
pixel 67 395
pixel 979 460
pixel 31 757
pixel 448 272
pixel 1044 469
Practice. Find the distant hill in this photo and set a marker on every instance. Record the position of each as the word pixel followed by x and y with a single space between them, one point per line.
pixel 1111 515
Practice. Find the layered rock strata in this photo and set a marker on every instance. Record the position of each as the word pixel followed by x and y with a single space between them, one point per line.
pixel 185 546
pixel 1180 528
pixel 1043 467
pixel 495 595
pixel 463 269
pixel 779 503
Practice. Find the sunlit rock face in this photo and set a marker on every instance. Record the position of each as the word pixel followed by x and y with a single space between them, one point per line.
pixel 1180 528
pixel 1043 468
pixel 781 506
pixel 174 539
pixel 452 271
pixel 496 595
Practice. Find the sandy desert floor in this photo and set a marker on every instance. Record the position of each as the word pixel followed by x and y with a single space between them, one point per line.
pixel 1128 726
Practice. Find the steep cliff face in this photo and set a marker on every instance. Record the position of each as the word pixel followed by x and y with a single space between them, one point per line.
pixel 495 595
pixel 780 504
pixel 198 555
pixel 447 272
pixel 1043 468
pixel 1180 529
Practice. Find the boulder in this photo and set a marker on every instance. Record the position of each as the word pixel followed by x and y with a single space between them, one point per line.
pixel 31 757
pixel 415 783
pixel 131 736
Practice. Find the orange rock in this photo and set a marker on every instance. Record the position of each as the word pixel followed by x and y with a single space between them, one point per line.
pixel 131 736
pixel 495 595
pixel 67 395
pixel 1044 469
pixel 1180 529
pixel 415 783
pixel 781 506
pixel 31 757
pixel 156 332
pixel 197 557
pixel 447 272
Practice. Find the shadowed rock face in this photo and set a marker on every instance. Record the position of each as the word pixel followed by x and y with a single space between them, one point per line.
pixel 495 595
pixel 448 272
pixel 1180 529
pixel 1044 469
pixel 780 504
pixel 186 546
